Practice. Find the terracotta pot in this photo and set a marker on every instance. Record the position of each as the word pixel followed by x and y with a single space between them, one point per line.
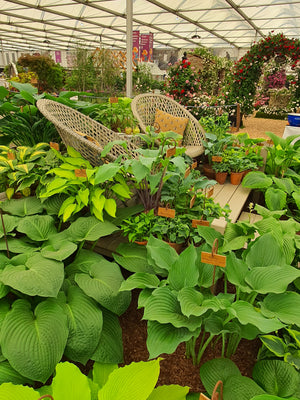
pixel 236 177
pixel 177 246
pixel 208 171
pixel 247 172
pixel 221 177
pixel 142 243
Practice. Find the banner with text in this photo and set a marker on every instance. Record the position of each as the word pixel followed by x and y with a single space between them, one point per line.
pixel 135 46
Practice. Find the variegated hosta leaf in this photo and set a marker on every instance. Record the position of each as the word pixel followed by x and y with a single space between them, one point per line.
pixel 34 342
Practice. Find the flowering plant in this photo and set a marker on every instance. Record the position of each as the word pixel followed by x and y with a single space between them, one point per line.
pixel 248 69
pixel 182 82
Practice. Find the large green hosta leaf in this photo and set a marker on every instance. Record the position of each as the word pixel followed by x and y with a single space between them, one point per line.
pixel 17 245
pixel 275 199
pixel 169 392
pixel 110 346
pixel 132 257
pixel 164 307
pixel 271 279
pixel 257 180
pixel 102 283
pixel 284 306
pixel 140 280
pixel 34 342
pixel 165 338
pixel 215 370
pixel 184 271
pixel 85 325
pixel 236 271
pixel 37 227
pixel 8 374
pixel 240 388
pixel 38 276
pixel 83 262
pixel 9 391
pixel 161 256
pixel 70 383
pixel 190 300
pixel 276 377
pixel 265 251
pixel 59 250
pixel 247 314
pixel 10 222
pixel 22 207
pixel 134 381
pixel 90 228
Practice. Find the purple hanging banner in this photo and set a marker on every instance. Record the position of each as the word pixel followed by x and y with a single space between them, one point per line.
pixel 135 46
pixel 151 47
pixel 144 47
pixel 57 56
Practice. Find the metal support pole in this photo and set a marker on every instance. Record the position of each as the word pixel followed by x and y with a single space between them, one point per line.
pixel 129 13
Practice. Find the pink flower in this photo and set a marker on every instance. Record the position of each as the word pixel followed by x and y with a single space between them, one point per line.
pixel 187 81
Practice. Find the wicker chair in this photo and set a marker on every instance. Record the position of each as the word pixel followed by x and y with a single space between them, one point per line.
pixel 82 132
pixel 144 107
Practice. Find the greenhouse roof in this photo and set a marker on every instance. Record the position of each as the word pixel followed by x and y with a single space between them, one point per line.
pixel 28 25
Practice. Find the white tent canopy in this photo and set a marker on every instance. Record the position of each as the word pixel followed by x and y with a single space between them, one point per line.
pixel 37 25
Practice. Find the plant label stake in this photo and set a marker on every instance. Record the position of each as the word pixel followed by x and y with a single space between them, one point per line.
pixel 201 222
pixel 208 193
pixel 187 172
pixel 217 158
pixel 166 212
pixel 192 202
pixel 80 173
pixel 194 165
pixel 113 100
pixel 213 259
pixel 11 156
pixel 171 152
pixel 54 146
pixel 215 394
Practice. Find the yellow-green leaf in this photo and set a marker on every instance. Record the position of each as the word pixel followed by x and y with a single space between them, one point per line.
pixel 110 207
pixel 83 194
pixel 68 212
pixel 9 193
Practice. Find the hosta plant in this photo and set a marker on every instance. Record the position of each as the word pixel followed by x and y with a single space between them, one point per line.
pixel 56 298
pixel 106 381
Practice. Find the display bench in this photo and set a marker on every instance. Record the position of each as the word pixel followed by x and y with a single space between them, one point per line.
pixel 233 195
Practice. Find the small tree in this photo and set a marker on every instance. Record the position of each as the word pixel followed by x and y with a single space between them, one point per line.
pixel 83 75
pixel 50 74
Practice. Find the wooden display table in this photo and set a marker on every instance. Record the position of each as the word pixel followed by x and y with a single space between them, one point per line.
pixel 233 195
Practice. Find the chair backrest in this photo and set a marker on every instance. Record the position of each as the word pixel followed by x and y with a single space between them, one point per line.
pixel 82 132
pixel 144 107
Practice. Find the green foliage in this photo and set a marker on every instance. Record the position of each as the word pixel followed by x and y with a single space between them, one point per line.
pixel 134 381
pixel 50 74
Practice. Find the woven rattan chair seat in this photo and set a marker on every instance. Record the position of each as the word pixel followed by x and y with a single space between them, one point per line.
pixel 82 132
pixel 144 107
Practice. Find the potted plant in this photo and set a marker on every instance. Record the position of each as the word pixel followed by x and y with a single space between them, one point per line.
pixel 221 171
pixel 237 167
pixel 137 228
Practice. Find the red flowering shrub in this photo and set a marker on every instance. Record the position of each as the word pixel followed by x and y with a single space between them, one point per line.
pixel 182 82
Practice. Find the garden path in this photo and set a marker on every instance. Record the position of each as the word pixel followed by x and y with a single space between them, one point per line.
pixel 256 127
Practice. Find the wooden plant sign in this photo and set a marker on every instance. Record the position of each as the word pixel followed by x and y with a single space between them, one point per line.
pixel 11 156
pixel 192 202
pixel 54 146
pixel 187 172
pixel 197 222
pixel 213 259
pixel 113 100
pixel 216 158
pixel 203 397
pixel 166 212
pixel 209 192
pixel 80 173
pixel 194 165
pixel 171 152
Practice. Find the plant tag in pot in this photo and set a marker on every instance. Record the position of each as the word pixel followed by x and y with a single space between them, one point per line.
pixel 194 165
pixel 187 172
pixel 113 100
pixel 11 156
pixel 196 222
pixel 213 259
pixel 171 152
pixel 80 173
pixel 54 146
pixel 217 158
pixel 209 192
pixel 192 202
pixel 166 212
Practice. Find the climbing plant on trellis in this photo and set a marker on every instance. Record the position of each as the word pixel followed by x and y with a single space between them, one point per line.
pixel 247 70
